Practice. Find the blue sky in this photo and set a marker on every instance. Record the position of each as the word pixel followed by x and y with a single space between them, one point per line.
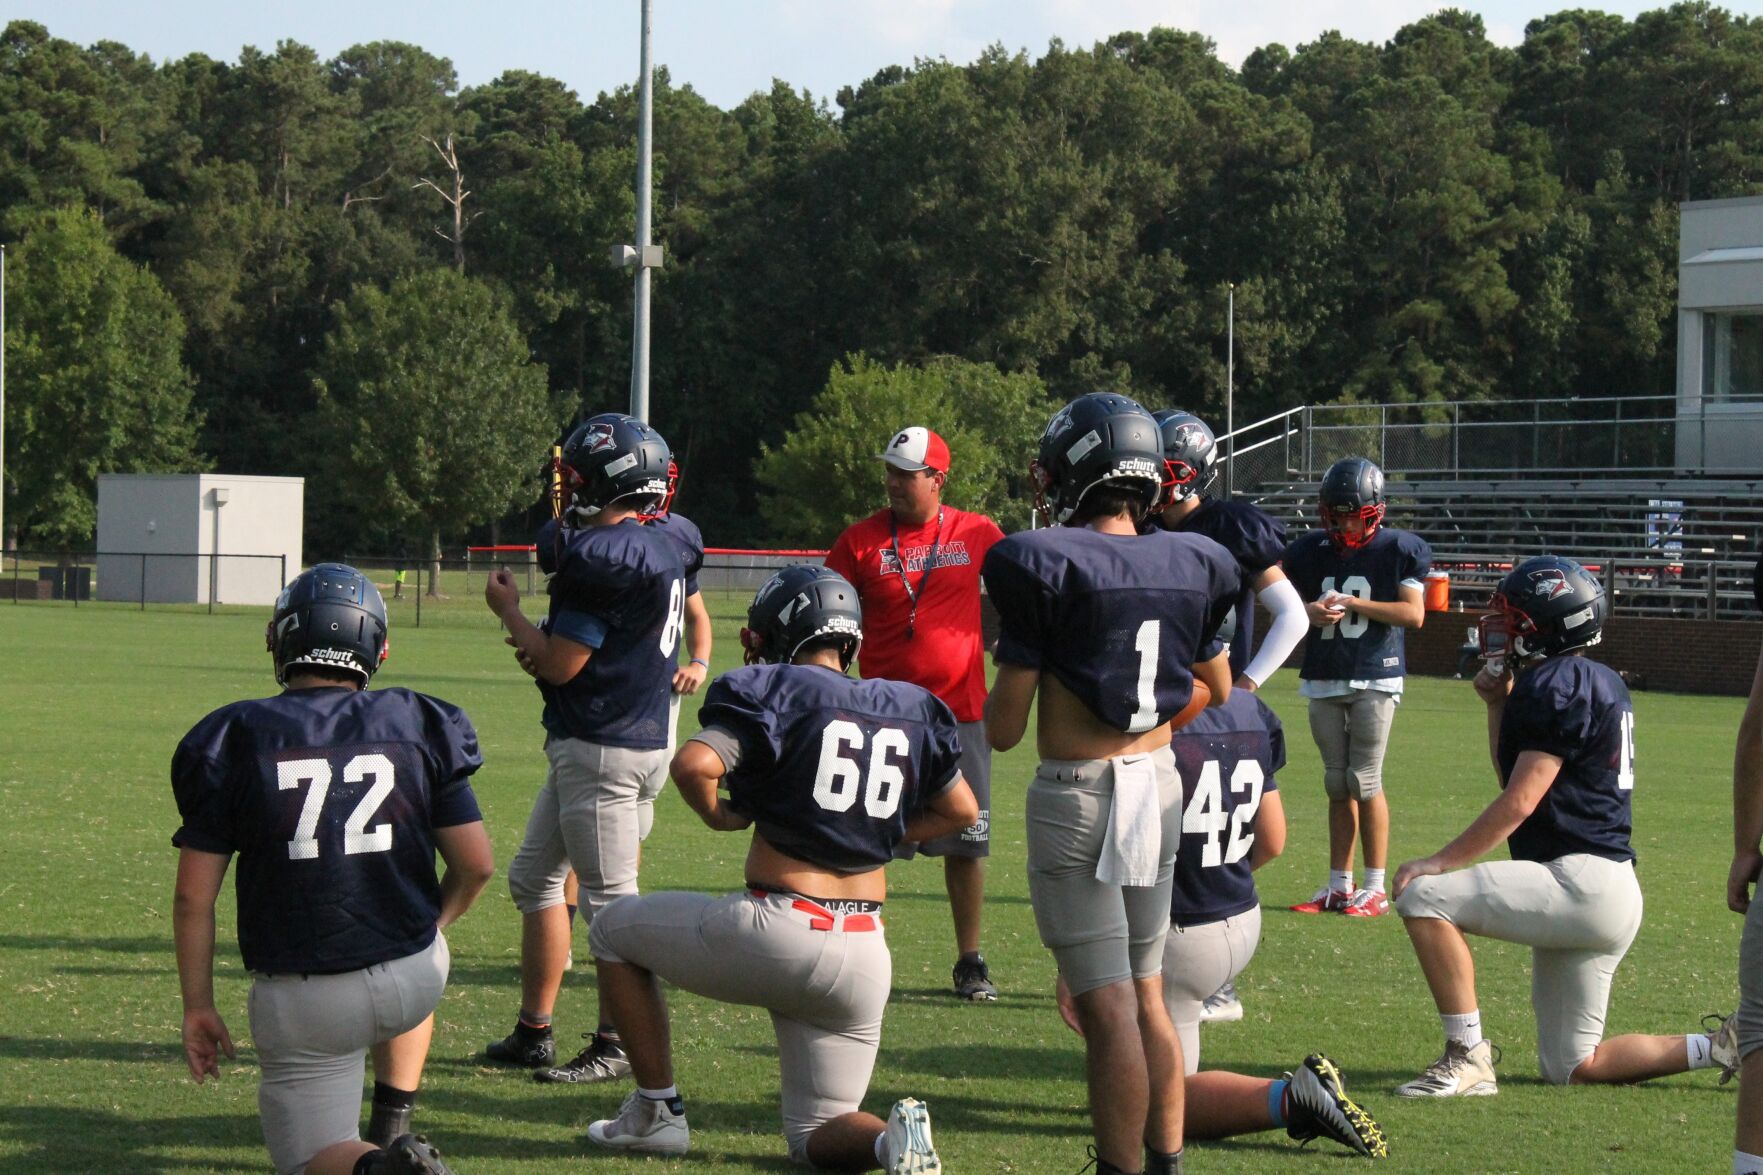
pixel 728 48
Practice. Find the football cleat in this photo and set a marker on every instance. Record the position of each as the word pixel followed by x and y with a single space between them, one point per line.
pixel 1318 1107
pixel 527 1052
pixel 602 1060
pixel 1326 901
pixel 1459 1072
pixel 414 1153
pixel 973 982
pixel 907 1142
pixel 645 1125
pixel 1222 1005
pixel 1723 1043
pixel 1367 903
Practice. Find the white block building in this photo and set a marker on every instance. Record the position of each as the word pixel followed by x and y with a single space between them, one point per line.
pixel 1720 336
pixel 196 538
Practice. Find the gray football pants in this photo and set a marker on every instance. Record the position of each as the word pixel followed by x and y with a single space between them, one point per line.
pixel 1197 961
pixel 589 816
pixel 825 989
pixel 312 1035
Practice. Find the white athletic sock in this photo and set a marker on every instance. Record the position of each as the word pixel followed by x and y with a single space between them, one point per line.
pixel 1464 1029
pixel 1746 1164
pixel 660 1095
pixel 1374 879
pixel 1701 1050
pixel 1340 880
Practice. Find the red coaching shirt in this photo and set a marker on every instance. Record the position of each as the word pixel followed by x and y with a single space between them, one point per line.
pixel 944 653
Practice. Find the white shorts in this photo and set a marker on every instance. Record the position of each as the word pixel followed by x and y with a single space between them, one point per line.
pixel 825 985
pixel 1577 913
pixel 1197 961
pixel 312 1035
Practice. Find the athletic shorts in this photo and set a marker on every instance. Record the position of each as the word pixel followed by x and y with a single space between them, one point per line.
pixel 1352 731
pixel 1577 913
pixel 312 1035
pixel 1098 933
pixel 976 839
pixel 1197 961
pixel 588 816
pixel 824 977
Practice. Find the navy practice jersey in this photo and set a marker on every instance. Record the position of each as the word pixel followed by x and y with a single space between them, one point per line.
pixel 619 590
pixel 330 797
pixel 1580 711
pixel 1257 541
pixel 682 530
pixel 1357 648
pixel 831 768
pixel 1227 758
pixel 1118 619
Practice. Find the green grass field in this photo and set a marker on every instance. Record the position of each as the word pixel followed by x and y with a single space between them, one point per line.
pixel 93 700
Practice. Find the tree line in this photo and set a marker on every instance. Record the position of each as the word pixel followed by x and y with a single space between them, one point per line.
pixel 356 271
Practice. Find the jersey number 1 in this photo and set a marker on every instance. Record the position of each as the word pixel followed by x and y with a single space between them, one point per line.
pixel 357 836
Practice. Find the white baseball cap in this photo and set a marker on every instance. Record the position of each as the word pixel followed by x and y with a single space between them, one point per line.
pixel 915 448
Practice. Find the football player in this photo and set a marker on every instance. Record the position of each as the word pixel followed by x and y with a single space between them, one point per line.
pixel 1106 625
pixel 1232 824
pixel 1747 863
pixel 1561 734
pixel 1258 542
pixel 335 799
pixel 604 660
pixel 831 773
pixel 1364 582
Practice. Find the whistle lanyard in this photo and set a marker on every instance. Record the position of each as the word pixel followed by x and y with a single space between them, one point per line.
pixel 930 565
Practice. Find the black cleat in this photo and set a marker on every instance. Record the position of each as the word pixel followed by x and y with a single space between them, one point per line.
pixel 386 1124
pixel 412 1153
pixel 527 1051
pixel 602 1060
pixel 973 982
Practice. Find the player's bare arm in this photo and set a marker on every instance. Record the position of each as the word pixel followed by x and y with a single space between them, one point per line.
pixel 470 865
pixel 1747 800
pixel 1409 611
pixel 1270 830
pixel 192 917
pixel 1532 776
pixel 1215 674
pixel 553 658
pixel 689 678
pixel 950 811
pixel 1012 696
pixel 697 770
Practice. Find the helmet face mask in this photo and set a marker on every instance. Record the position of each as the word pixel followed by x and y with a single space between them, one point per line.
pixel 1096 440
pixel 330 618
pixel 801 604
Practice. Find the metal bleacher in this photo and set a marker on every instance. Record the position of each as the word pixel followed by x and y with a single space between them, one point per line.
pixel 1663 546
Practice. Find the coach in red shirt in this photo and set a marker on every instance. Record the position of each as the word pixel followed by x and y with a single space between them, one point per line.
pixel 916 567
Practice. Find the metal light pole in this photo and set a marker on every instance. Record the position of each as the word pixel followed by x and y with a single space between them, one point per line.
pixel 640 310
pixel 1230 386
pixel 2 401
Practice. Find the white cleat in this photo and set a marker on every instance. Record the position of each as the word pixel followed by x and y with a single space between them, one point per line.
pixel 1459 1072
pixel 1723 1044
pixel 907 1141
pixel 1222 1005
pixel 644 1126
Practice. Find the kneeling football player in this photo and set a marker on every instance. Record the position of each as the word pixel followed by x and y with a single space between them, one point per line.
pixel 831 773
pixel 335 799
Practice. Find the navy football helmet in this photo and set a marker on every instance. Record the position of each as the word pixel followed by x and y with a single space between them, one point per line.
pixel 1352 488
pixel 1192 453
pixel 1545 605
pixel 800 604
pixel 1098 439
pixel 329 617
pixel 609 458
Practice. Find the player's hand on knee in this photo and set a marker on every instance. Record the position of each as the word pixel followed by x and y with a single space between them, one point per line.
pixel 1407 871
pixel 1746 866
pixel 205 1038
pixel 1067 1006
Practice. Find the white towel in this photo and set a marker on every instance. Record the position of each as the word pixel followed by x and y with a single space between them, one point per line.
pixel 1132 848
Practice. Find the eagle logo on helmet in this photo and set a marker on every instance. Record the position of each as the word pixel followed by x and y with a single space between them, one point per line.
pixel 599 438
pixel 1190 437
pixel 1549 583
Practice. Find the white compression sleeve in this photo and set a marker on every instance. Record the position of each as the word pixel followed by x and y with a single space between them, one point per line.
pixel 1288 628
